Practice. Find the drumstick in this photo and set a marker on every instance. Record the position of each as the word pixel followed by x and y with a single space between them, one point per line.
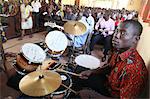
pixel 61 70
pixel 69 88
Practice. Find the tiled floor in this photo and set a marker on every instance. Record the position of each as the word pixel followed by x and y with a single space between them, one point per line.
pixel 14 46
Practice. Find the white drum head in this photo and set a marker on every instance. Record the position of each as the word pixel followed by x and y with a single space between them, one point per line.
pixel 33 53
pixel 56 41
pixel 87 61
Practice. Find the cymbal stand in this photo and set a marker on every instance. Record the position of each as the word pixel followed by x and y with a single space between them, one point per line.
pixel 71 51
pixel 71 55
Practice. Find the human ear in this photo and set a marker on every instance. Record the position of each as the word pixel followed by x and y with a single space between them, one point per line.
pixel 136 39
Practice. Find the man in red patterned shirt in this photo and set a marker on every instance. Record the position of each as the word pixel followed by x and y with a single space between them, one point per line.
pixel 126 73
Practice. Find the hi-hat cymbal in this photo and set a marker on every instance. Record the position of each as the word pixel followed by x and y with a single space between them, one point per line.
pixel 40 83
pixel 74 28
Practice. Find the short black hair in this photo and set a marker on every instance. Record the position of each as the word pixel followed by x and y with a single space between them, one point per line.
pixel 86 13
pixel 137 26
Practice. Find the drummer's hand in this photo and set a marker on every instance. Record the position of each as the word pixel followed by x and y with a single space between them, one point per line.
pixel 85 74
pixel 89 94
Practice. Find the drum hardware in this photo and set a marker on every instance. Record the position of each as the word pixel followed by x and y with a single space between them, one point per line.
pixel 40 83
pixel 14 66
pixel 63 92
pixel 72 54
pixel 69 88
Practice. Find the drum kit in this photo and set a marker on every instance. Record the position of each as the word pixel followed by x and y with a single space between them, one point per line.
pixel 44 76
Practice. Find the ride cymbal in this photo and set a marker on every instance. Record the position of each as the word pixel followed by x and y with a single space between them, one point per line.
pixel 40 83
pixel 74 28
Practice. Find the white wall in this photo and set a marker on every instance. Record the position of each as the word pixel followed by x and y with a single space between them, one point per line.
pixel 144 44
pixel 96 3
pixel 67 2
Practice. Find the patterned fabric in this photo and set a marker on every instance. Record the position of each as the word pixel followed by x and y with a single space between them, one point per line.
pixel 128 76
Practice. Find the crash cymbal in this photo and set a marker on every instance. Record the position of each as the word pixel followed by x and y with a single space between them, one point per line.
pixel 40 83
pixel 74 28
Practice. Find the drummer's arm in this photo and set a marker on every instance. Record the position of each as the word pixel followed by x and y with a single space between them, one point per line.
pixel 105 69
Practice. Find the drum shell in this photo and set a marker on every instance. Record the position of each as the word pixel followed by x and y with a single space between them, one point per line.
pixel 23 65
pixel 54 53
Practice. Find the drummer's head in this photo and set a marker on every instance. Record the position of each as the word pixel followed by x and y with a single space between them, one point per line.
pixel 127 34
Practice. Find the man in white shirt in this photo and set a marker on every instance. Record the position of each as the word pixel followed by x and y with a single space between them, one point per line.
pixel 26 18
pixel 36 5
pixel 91 22
pixel 105 26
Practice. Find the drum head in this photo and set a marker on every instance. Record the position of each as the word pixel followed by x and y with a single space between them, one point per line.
pixel 87 61
pixel 33 53
pixel 56 41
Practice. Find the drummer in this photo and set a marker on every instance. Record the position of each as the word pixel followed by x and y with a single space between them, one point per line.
pixel 126 71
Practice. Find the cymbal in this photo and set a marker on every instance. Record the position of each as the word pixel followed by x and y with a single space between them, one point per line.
pixel 74 28
pixel 40 83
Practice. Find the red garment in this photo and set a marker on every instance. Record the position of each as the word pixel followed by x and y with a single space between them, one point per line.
pixel 117 22
pixel 122 19
pixel 128 75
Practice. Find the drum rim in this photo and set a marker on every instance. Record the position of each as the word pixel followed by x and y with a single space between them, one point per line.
pixel 44 54
pixel 63 91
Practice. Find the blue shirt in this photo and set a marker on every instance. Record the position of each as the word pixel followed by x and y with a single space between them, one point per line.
pixel 79 41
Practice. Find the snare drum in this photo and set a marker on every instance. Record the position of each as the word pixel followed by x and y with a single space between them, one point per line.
pixel 23 67
pixel 87 61
pixel 56 42
pixel 62 92
pixel 33 53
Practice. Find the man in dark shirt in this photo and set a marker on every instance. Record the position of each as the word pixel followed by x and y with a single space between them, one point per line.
pixel 126 73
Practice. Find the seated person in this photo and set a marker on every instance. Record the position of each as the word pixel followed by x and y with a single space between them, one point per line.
pixel 107 27
pixel 125 75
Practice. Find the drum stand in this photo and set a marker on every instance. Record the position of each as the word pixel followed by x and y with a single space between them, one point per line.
pixel 71 53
